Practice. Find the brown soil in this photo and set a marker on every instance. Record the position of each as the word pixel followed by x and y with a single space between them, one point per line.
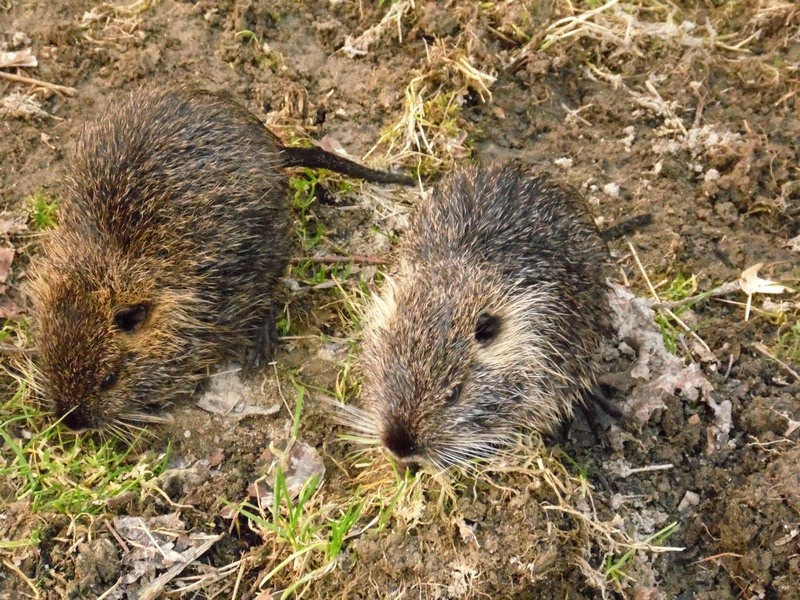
pixel 716 164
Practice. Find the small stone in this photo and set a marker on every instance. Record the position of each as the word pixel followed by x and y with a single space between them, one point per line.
pixel 563 162
pixel 690 500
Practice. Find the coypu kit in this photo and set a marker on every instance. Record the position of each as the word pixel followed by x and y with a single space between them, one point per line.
pixel 171 242
pixel 488 322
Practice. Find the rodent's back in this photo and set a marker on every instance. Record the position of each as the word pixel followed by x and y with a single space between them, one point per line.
pixel 172 162
pixel 489 320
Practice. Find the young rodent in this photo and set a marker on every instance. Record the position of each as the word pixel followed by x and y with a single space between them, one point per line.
pixel 488 321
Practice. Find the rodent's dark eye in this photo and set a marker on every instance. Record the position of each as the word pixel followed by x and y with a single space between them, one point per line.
pixel 453 394
pixel 130 318
pixel 108 381
pixel 487 328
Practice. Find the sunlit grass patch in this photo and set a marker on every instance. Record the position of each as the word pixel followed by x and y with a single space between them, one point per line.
pixel 305 534
pixel 305 528
pixel 674 289
pixel 43 210
pixel 62 472
pixel 788 345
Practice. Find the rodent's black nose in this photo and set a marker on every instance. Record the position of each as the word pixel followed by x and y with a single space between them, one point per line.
pixel 399 440
pixel 76 420
pixel 412 466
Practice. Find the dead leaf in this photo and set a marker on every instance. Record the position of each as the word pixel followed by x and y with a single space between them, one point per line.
pixel 158 544
pixel 215 457
pixel 331 144
pixel 793 244
pixel 226 395
pixel 19 58
pixel 6 258
pixel 23 106
pixel 751 284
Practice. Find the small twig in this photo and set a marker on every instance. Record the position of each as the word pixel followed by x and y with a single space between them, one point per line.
pixel 117 537
pixel 110 590
pixel 12 567
pixel 11 349
pixel 716 556
pixel 67 91
pixel 334 259
pixel 648 469
pixel 502 36
pixel 763 349
pixel 730 366
pixel 238 579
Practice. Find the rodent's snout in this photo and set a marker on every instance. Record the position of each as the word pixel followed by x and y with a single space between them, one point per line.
pixel 75 419
pixel 400 441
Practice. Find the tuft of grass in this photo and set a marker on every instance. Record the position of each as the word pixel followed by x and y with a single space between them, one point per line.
pixel 304 195
pixel 307 535
pixel 62 472
pixel 43 211
pixel 16 332
pixel 788 346
pixel 247 36
pixel 432 132
pixel 300 391
pixel 680 287
pixel 284 321
pixel 615 568
pixel 310 230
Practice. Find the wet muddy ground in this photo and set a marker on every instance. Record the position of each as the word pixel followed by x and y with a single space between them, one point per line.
pixel 687 112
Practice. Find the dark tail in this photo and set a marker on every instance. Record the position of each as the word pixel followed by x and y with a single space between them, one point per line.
pixel 626 227
pixel 317 158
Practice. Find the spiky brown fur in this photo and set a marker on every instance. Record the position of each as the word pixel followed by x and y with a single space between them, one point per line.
pixel 489 320
pixel 177 208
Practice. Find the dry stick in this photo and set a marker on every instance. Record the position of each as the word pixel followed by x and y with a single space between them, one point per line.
pixel 117 537
pixel 67 91
pixel 110 590
pixel 666 310
pixel 763 349
pixel 12 349
pixel 721 290
pixel 716 556
pixel 238 580
pixel 334 259
pixel 22 576
pixel 647 469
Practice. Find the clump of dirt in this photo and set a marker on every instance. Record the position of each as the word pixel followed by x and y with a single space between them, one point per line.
pixel 689 114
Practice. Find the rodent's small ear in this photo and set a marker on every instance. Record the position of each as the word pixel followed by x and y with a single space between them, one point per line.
pixel 487 328
pixel 131 318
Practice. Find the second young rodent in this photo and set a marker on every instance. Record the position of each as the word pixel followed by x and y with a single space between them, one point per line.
pixel 488 320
